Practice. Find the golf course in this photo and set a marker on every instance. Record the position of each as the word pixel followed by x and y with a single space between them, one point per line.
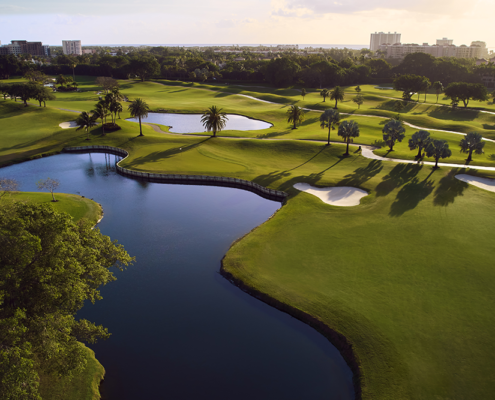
pixel 405 277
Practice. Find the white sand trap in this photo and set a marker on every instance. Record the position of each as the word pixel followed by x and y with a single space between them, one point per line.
pixel 67 125
pixel 482 183
pixel 343 196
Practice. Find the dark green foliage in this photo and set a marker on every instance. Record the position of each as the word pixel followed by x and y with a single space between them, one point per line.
pixel 329 119
pixel 281 71
pixel 348 130
pixel 295 115
pixel 472 142
pixel 419 140
pixel 408 84
pixel 139 108
pixel 393 131
pixel 337 94
pixel 214 119
pixel 466 91
pixel 144 66
pixel 49 266
pixel 438 149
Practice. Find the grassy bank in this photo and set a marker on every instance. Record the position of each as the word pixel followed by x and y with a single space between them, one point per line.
pixel 406 276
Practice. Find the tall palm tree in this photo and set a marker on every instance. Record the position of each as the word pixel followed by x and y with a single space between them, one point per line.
pixel 393 131
pixel 85 121
pixel 295 115
pixel 438 87
pixel 329 119
pixel 337 94
pixel 425 85
pixel 348 130
pixel 473 141
pixel 214 119
pixel 324 93
pixel 101 111
pixel 419 140
pixel 438 149
pixel 139 108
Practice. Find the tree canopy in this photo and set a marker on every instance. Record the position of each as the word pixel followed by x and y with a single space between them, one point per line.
pixel 49 266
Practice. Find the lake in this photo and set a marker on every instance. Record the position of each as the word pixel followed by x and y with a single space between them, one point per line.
pixel 191 123
pixel 179 329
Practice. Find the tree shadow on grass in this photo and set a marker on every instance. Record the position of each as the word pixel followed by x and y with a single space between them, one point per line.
pixel 398 176
pixel 449 188
pixel 362 174
pixel 273 134
pixel 312 158
pixel 267 179
pixel 410 195
pixel 489 127
pixel 160 155
pixel 448 113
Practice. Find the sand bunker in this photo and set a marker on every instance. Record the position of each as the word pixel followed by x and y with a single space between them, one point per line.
pixel 482 183
pixel 343 196
pixel 67 125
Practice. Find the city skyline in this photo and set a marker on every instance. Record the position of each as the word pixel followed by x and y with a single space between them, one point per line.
pixel 278 22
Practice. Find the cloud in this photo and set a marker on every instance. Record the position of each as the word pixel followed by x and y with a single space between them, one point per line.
pixel 449 7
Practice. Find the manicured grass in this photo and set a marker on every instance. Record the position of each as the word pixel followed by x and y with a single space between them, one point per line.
pixel 84 386
pixel 406 276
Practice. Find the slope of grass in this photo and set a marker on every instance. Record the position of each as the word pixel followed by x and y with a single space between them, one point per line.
pixel 406 276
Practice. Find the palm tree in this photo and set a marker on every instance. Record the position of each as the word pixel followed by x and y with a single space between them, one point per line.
pixel 438 149
pixel 329 119
pixel 101 111
pixel 303 93
pixel 118 109
pixel 425 85
pixel 419 140
pixel 85 121
pixel 295 115
pixel 324 93
pixel 358 89
pixel 139 108
pixel 337 94
pixel 73 65
pixel 393 131
pixel 348 130
pixel 473 141
pixel 214 119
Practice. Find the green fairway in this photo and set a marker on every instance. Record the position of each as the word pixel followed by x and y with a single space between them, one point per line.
pixel 406 276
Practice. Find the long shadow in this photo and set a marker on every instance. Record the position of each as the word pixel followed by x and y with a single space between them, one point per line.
pixel 312 158
pixel 273 134
pixel 390 104
pixel 267 179
pixel 410 195
pixel 362 174
pixel 448 113
pixel 160 155
pixel 488 127
pixel 449 188
pixel 398 176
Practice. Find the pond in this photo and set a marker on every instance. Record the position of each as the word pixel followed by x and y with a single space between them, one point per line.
pixel 191 123
pixel 179 329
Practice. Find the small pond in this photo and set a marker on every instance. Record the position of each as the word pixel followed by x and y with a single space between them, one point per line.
pixel 191 123
pixel 179 329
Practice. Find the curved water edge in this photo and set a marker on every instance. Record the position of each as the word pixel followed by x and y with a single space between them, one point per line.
pixel 121 302
pixel 262 191
pixel 186 123
pixel 334 337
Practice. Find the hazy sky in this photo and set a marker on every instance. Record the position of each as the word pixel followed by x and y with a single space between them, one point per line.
pixel 250 22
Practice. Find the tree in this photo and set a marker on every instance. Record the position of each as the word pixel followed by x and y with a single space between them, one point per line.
pixel 49 267
pixel 107 83
pixel 359 99
pixel 139 108
pixel 399 106
pixel 466 92
pixel 8 186
pixel 43 94
pixel 144 67
pixel 295 115
pixel 337 94
pixel 214 119
pixel 329 119
pixel 281 71
pixel 48 184
pixel 408 85
pixel 85 121
pixel 324 93
pixel 348 130
pixel 419 140
pixel 472 141
pixel 393 131
pixel 358 89
pixel 27 92
pixel 35 76
pixel 303 93
pixel 438 88
pixel 425 85
pixel 61 80
pixel 438 149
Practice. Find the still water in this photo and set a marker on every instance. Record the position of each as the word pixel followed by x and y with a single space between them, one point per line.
pixel 191 123
pixel 179 329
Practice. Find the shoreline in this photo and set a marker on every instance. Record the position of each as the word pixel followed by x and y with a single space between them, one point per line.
pixel 340 342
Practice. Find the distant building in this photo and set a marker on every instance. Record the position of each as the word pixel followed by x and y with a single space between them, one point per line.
pixel 482 45
pixel 379 38
pixel 72 47
pixel 444 42
pixel 89 51
pixel 446 50
pixel 17 47
pixel 287 47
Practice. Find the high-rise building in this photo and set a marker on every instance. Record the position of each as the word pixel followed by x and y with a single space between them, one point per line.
pixel 17 47
pixel 401 50
pixel 72 47
pixel 444 42
pixel 482 45
pixel 379 38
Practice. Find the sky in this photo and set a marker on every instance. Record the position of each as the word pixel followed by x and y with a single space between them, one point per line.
pixel 245 22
